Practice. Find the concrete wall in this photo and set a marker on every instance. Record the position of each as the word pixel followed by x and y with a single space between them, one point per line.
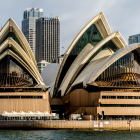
pixel 25 105
pixel 80 98
pixel 116 125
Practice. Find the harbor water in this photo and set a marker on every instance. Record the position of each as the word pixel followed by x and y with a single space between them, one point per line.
pixel 68 135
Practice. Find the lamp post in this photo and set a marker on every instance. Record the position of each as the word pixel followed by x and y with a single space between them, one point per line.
pixel 134 116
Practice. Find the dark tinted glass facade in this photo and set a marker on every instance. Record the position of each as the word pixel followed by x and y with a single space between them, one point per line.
pixel 134 39
pixel 12 74
pixel 125 72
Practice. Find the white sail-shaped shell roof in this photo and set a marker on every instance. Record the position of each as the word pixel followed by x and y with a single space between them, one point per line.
pixel 104 29
pixel 14 43
pixel 84 57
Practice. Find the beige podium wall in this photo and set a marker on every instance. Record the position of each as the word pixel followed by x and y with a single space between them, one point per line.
pixel 25 104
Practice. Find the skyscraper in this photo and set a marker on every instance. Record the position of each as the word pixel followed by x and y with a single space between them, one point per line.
pixel 29 25
pixel 134 39
pixel 47 38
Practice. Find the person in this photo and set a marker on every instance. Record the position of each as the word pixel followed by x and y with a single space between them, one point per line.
pixel 129 122
pixel 69 118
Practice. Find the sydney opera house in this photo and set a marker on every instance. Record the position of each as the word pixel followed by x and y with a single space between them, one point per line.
pixel 98 77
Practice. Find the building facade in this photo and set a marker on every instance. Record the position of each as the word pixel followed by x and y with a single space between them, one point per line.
pixel 47 38
pixel 41 65
pixel 58 60
pixel 134 39
pixel 29 25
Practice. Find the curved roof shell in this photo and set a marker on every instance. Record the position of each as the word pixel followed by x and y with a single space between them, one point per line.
pixel 93 33
pixel 11 26
pixel 49 73
pixel 102 56
pixel 13 43
pixel 87 54
pixel 99 64
pixel 117 55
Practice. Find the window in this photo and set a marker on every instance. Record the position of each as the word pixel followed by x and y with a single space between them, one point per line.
pixel 21 97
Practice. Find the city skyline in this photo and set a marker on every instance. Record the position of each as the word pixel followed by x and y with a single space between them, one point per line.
pixel 73 13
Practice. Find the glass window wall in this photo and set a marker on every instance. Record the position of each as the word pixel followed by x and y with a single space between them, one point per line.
pixel 125 72
pixel 13 74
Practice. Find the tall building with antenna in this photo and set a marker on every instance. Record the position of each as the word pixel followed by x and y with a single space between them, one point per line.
pixel 47 38
pixel 29 25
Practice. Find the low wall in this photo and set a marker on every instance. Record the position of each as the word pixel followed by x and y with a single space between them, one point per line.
pixel 117 125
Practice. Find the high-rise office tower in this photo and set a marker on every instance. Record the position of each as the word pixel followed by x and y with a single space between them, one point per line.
pixel 47 38
pixel 134 39
pixel 29 25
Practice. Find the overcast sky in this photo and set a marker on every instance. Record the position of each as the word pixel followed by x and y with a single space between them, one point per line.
pixel 122 15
